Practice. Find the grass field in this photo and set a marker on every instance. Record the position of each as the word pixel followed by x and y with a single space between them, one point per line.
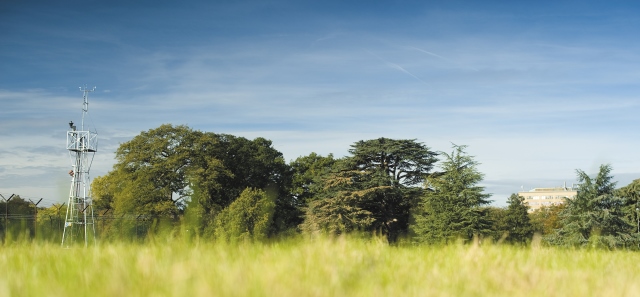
pixel 323 267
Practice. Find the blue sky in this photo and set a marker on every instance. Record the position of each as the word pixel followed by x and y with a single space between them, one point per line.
pixel 535 90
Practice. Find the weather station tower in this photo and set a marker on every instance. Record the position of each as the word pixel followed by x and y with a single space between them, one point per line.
pixel 82 144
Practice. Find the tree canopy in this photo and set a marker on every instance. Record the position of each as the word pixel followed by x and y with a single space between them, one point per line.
pixel 234 189
pixel 247 218
pixel 404 161
pixel 517 220
pixel 631 194
pixel 373 189
pixel 307 174
pixel 451 206
pixel 165 170
pixel 547 219
pixel 595 216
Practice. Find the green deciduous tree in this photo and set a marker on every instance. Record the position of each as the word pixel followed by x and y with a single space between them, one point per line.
pixel 547 219
pixel 51 222
pixel 150 175
pixel 307 174
pixel 451 208
pixel 19 213
pixel 164 171
pixel 595 216
pixel 247 218
pixel 233 164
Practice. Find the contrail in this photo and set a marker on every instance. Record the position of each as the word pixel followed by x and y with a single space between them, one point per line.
pixel 441 57
pixel 326 37
pixel 398 67
pixel 430 53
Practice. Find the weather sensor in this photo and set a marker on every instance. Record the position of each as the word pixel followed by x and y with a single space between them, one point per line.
pixel 82 144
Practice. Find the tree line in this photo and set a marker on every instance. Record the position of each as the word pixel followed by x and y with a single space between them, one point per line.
pixel 224 187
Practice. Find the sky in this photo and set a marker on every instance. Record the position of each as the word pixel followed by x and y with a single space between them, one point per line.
pixel 535 89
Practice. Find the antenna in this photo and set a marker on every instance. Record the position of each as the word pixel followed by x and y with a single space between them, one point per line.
pixel 85 102
pixel 79 222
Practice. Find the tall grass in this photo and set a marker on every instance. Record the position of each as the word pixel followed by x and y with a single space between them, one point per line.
pixel 313 267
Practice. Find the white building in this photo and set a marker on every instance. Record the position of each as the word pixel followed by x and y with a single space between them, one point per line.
pixel 539 197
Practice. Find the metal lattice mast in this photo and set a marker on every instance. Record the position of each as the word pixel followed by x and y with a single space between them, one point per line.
pixel 82 145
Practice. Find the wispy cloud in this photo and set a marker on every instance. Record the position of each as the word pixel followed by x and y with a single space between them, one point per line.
pixel 532 103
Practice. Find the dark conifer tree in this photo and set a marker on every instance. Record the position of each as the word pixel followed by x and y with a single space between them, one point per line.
pixel 451 208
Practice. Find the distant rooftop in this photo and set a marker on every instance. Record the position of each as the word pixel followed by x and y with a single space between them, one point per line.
pixel 556 189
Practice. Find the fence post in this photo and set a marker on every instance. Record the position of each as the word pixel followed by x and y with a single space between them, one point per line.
pixel 103 219
pixel 6 212
pixel 58 212
pixel 35 218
